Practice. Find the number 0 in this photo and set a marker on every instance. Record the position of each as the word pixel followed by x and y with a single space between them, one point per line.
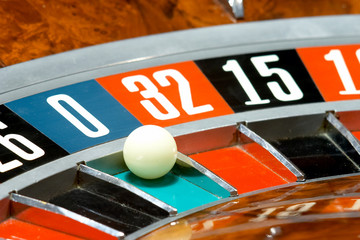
pixel 54 101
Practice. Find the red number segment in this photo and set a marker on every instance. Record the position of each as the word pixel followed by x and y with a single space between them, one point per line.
pixel 15 229
pixel 245 172
pixel 167 95
pixel 356 134
pixel 59 224
pixel 266 158
pixel 335 70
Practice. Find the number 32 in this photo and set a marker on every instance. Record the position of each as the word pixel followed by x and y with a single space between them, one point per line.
pixel 152 92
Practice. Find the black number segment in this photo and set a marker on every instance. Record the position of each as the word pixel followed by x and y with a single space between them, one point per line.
pixel 254 81
pixel 22 147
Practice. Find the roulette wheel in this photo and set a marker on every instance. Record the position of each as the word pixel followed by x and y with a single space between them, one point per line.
pixel 265 116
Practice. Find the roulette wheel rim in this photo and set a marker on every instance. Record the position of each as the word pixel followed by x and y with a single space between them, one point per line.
pixel 201 44
pixel 27 79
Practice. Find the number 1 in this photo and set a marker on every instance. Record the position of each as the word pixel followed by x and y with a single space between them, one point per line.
pixel 343 71
pixel 234 67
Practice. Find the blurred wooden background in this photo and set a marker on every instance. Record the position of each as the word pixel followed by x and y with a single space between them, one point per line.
pixel 35 28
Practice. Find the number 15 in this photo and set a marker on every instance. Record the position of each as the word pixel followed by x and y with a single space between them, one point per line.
pixel 295 92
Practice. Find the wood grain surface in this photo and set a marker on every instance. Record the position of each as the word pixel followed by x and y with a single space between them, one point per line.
pixel 35 28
